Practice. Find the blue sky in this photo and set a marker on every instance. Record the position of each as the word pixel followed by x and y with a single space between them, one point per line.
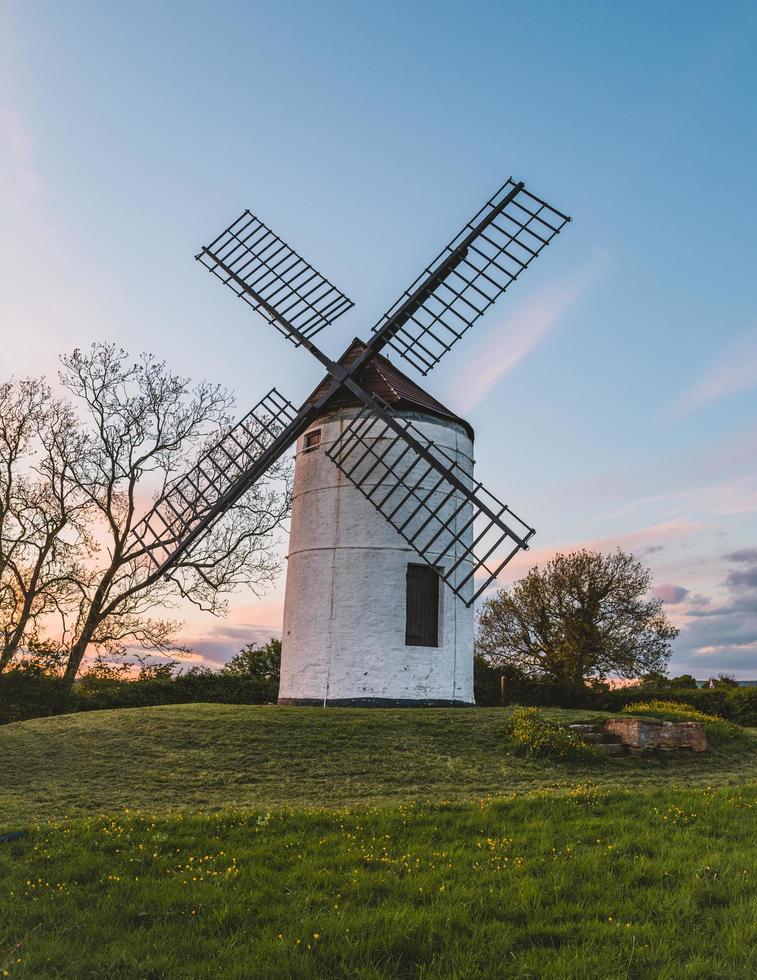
pixel 613 389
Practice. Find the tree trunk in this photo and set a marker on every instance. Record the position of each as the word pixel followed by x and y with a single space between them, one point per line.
pixel 9 650
pixel 11 647
pixel 93 620
pixel 7 655
pixel 79 648
pixel 75 657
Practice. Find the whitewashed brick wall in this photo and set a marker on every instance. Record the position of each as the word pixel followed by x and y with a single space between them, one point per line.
pixel 344 610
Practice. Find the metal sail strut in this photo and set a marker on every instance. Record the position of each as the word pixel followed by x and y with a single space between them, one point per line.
pixel 191 504
pixel 427 505
pixel 418 488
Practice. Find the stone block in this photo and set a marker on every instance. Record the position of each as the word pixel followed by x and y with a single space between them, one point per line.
pixel 649 734
pixel 610 748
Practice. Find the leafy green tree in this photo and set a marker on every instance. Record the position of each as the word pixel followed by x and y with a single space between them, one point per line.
pixel 262 662
pixel 656 679
pixel 659 680
pixel 584 616
pixel 684 682
pixel 157 672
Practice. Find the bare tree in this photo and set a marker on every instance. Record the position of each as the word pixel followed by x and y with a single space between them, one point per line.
pixel 44 540
pixel 145 426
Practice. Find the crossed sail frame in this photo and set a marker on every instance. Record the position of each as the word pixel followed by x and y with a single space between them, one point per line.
pixel 417 487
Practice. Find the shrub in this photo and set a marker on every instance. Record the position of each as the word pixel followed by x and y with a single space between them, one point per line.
pixel 27 692
pixel 197 685
pixel 717 728
pixel 520 688
pixel 252 677
pixel 529 733
pixel 737 704
pixel 261 662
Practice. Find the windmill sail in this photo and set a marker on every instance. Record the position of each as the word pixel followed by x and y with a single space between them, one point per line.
pixel 191 504
pixel 468 276
pixel 452 522
pixel 274 279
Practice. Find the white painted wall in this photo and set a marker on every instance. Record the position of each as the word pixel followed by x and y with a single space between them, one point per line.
pixel 344 607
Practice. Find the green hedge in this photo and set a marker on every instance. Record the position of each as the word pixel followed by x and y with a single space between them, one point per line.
pixel 27 694
pixel 718 729
pixel 737 704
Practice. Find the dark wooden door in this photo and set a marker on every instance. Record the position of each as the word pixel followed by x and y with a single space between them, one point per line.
pixel 422 607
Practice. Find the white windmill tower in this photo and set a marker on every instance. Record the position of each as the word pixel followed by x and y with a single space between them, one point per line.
pixel 366 622
pixel 392 539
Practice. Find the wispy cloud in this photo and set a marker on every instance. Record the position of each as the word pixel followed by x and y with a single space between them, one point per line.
pixel 524 330
pixel 731 497
pixel 219 646
pixel 734 371
pixel 727 648
pixel 18 171
pixel 214 641
pixel 639 541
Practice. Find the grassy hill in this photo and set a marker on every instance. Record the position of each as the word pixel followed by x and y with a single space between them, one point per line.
pixel 211 755
pixel 244 842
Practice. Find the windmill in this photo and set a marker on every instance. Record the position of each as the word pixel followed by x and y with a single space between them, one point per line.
pixel 392 539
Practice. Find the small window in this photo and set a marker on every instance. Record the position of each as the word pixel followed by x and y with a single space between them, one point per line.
pixel 312 440
pixel 422 607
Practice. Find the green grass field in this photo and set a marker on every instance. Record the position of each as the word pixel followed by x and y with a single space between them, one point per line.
pixel 212 755
pixel 211 840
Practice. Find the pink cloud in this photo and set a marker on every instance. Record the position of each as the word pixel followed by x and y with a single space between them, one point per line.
pixel 734 371
pixel 19 170
pixel 265 614
pixel 738 496
pixel 523 331
pixel 215 641
pixel 671 594
pixel 634 541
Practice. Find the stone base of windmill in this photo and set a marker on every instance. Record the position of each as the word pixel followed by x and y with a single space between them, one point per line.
pixel 652 735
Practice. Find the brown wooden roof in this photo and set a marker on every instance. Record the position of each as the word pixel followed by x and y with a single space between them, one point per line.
pixel 380 377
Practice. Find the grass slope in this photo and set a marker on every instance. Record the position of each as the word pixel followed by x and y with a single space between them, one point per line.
pixel 411 845
pixel 211 755
pixel 587 884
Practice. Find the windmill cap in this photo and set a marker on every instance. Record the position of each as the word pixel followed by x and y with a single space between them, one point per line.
pixel 380 377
